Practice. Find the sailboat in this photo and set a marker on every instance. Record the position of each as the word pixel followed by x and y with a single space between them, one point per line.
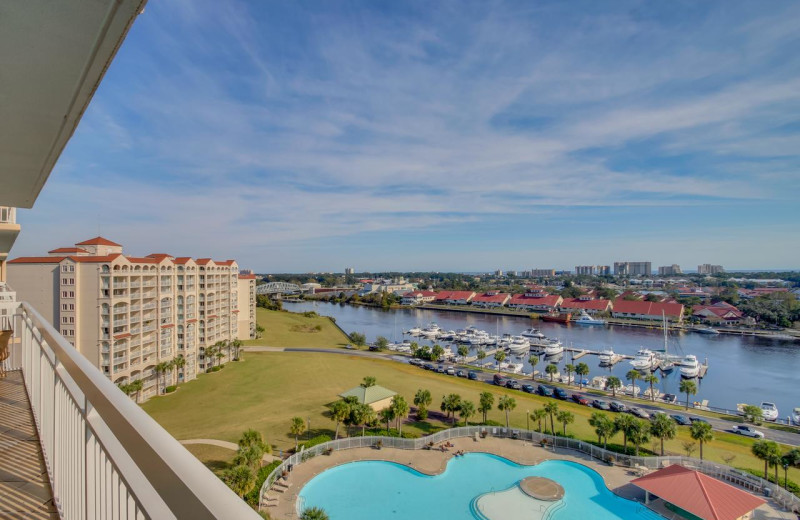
pixel 665 364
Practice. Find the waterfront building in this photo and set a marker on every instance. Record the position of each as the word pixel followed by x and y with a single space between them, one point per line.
pixel 644 310
pixel 591 306
pixel 669 270
pixel 709 269
pixel 398 286
pixel 418 297
pixel 127 314
pixel 491 299
pixel 718 313
pixel 535 302
pixel 543 273
pixel 246 306
pixel 633 268
pixel 454 297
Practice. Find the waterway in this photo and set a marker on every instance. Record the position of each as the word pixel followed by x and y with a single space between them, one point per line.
pixel 742 369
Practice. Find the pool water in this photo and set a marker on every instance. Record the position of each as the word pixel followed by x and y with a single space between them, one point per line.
pixel 367 490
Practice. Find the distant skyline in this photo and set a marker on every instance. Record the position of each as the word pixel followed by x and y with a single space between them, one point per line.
pixel 445 136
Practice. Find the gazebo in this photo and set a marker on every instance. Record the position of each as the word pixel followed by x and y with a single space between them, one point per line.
pixel 694 495
pixel 375 396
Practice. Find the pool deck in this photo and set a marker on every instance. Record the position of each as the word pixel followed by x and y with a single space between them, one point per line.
pixel 433 462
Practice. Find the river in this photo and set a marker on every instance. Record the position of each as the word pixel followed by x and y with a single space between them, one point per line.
pixel 742 369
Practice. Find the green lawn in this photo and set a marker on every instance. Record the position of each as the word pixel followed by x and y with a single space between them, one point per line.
pixel 215 458
pixel 289 329
pixel 267 389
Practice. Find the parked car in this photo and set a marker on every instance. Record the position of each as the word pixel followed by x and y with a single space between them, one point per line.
pixel 560 393
pixel 698 419
pixel 681 419
pixel 414 361
pixel 748 431
pixel 529 389
pixel 461 373
pixel 546 391
pixel 472 375
pixel 349 347
pixel 616 406
pixel 513 383
pixel 601 405
pixel 639 412
pixel 578 398
pixel 499 379
pixel 450 371
pixel 440 369
pixel 670 398
pixel 429 366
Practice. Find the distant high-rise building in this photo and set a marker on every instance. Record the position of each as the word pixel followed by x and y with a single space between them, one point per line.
pixel 542 273
pixel 669 270
pixel 709 269
pixel 498 273
pixel 603 270
pixel 349 270
pixel 584 269
pixel 633 268
pixel 512 273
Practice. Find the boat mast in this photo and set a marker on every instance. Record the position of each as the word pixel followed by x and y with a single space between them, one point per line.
pixel 664 321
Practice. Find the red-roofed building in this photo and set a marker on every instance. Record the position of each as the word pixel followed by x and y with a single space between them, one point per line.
pixel 547 303
pixel 98 241
pixel 644 310
pixel 693 495
pixel 491 299
pixel 760 291
pixel 71 251
pixel 418 297
pixel 589 305
pixel 718 313
pixel 454 297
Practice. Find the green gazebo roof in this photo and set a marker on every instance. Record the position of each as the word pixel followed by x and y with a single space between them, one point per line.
pixel 369 395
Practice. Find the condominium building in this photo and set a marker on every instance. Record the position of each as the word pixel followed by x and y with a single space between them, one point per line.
pixel 349 270
pixel 603 270
pixel 633 268
pixel 543 273
pixel 584 270
pixel 669 270
pixel 129 314
pixel 247 306
pixel 709 269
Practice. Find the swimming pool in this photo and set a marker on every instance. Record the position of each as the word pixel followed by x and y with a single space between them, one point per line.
pixel 366 490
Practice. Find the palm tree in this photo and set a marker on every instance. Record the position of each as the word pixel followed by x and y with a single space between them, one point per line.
pixel 368 417
pixel 614 384
pixel 481 354
pixel 639 433
pixel 663 427
pixel 466 411
pixel 603 427
pixel 340 410
pixel 789 459
pixel 259 331
pixel 237 346
pixel 551 407
pixel 208 355
pixel 436 352
pixel 565 418
pixel 533 360
pixel 582 370
pixel 765 450
pixel 252 437
pixel 387 415
pixel 297 429
pixel 633 376
pixel 652 380
pixel 775 456
pixel 506 404
pixel 368 382
pixel 250 456
pixel 538 415
pixel 485 403
pixel 136 387
pixel 161 369
pixel 569 368
pixel 240 479
pixel 499 357
pixel 689 388
pixel 179 363
pixel 314 513
pixel 551 369
pixel 450 405
pixel 701 432
pixel 421 400
pixel 400 408
pixel 624 423
pixel 463 350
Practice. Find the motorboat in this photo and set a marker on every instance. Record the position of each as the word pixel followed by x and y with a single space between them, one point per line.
pixel 514 368
pixel 599 382
pixel 585 319
pixel 431 331
pixel 796 416
pixel 769 411
pixel 554 349
pixel 690 366
pixel 705 330
pixel 414 331
pixel 632 390
pixel 532 333
pixel 645 359
pixel 519 345
pixel 607 356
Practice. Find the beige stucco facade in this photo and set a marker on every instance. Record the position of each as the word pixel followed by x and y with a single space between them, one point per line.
pixel 247 307
pixel 128 314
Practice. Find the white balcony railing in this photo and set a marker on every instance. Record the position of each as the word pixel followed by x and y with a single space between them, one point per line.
pixel 106 458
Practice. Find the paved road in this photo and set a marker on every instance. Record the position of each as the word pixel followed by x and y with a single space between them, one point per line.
pixel 789 438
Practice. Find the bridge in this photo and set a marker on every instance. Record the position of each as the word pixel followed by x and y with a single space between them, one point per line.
pixel 278 288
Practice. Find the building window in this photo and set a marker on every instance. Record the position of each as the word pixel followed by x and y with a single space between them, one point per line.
pixel 64 332
pixel 63 306
pixel 64 294
pixel 63 319
pixel 63 281
pixel 64 268
pixel 72 281
pixel 72 294
pixel 72 306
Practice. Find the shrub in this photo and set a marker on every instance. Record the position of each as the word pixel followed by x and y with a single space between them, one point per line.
pixel 252 497
pixel 216 368
pixel 319 439
pixel 791 486
pixel 170 388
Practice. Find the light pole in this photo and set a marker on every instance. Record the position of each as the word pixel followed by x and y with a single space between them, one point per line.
pixel 528 418
pixel 308 429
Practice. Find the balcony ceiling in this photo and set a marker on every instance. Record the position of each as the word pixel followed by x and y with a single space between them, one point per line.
pixel 53 56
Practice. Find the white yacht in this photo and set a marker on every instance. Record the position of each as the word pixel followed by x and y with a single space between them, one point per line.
pixel 796 416
pixel 519 345
pixel 585 319
pixel 644 360
pixel 607 356
pixel 769 411
pixel 705 330
pixel 414 331
pixel 515 368
pixel 554 348
pixel 532 333
pixel 431 331
pixel 689 366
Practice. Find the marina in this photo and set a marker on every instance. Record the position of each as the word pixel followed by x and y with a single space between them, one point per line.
pixel 765 369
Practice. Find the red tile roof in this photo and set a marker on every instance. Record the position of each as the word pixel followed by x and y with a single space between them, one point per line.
pixel 226 262
pixel 145 260
pixel 551 300
pixel 424 294
pixel 701 495
pixel 182 260
pixel 247 277
pixel 98 241
pixel 577 303
pixel 94 259
pixel 491 298
pixel 203 261
pixel 454 295
pixel 68 250
pixel 122 336
pixel 721 309
pixel 37 260
pixel 647 308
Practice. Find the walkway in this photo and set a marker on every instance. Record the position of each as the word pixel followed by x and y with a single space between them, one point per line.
pixel 24 486
pixel 224 444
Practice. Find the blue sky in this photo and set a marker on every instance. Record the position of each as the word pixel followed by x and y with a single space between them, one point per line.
pixel 458 136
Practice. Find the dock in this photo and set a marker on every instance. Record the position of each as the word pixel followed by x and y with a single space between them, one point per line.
pixel 577 353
